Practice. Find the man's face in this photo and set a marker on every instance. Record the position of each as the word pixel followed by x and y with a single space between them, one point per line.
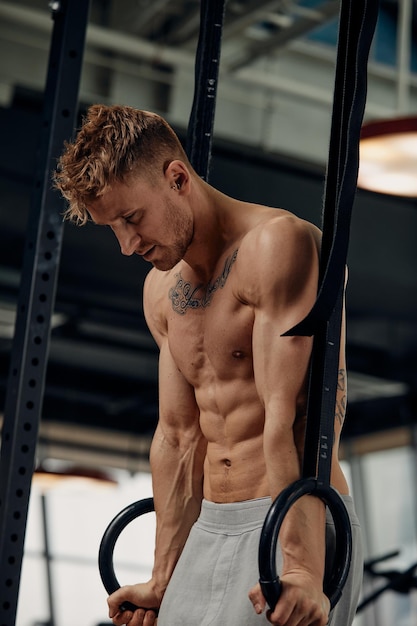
pixel 153 222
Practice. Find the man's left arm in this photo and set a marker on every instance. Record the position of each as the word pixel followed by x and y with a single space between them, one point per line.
pixel 285 292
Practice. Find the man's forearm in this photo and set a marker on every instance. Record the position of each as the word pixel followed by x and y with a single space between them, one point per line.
pixel 177 472
pixel 302 535
pixel 302 538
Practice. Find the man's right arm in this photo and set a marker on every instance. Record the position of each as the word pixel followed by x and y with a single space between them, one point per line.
pixel 177 458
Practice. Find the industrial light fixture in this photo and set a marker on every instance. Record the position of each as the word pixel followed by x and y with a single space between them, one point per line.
pixel 388 157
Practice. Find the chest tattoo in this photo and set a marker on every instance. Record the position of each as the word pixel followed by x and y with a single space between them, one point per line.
pixel 184 295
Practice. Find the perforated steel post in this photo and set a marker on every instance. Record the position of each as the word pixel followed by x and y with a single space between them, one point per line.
pixel 36 299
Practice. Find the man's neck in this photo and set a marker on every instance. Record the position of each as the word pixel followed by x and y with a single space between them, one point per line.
pixel 214 233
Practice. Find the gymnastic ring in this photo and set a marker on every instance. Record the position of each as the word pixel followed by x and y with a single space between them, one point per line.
pixel 333 584
pixel 108 542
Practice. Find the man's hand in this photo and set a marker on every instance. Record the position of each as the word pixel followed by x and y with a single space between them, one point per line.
pixel 142 595
pixel 300 603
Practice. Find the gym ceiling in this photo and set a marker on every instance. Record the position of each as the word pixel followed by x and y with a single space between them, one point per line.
pixel 271 136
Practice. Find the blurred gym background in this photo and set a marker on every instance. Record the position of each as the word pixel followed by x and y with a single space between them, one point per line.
pixel 271 140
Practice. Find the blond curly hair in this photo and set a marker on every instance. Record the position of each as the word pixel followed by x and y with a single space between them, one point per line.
pixel 113 144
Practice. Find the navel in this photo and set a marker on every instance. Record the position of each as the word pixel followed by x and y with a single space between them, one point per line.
pixel 238 354
pixel 227 462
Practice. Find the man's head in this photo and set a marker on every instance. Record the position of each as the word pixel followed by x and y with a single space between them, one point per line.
pixel 114 144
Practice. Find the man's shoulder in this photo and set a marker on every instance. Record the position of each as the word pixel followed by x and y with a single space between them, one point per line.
pixel 275 256
pixel 155 291
pixel 278 229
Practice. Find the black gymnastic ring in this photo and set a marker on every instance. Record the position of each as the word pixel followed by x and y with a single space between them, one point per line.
pixel 108 542
pixel 333 581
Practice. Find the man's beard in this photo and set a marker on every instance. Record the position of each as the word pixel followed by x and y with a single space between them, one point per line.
pixel 182 227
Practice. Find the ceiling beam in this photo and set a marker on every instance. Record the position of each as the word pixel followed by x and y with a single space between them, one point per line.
pixel 327 11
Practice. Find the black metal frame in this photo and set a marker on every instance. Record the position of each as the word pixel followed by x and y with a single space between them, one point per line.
pixel 29 357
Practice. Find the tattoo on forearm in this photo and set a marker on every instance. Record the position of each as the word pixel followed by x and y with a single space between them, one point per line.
pixel 185 296
pixel 341 398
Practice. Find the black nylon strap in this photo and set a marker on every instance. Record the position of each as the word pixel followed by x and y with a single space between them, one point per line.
pixel 322 397
pixel 356 29
pixel 201 122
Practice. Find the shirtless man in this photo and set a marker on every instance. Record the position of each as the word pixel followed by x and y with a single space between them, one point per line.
pixel 228 278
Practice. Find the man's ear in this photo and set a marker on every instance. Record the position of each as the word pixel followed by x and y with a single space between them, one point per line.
pixel 177 175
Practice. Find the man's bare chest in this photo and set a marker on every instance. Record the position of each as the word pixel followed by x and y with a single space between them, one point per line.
pixel 209 328
pixel 187 293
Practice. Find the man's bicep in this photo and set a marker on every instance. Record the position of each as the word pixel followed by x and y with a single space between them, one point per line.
pixel 280 368
pixel 283 297
pixel 178 410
